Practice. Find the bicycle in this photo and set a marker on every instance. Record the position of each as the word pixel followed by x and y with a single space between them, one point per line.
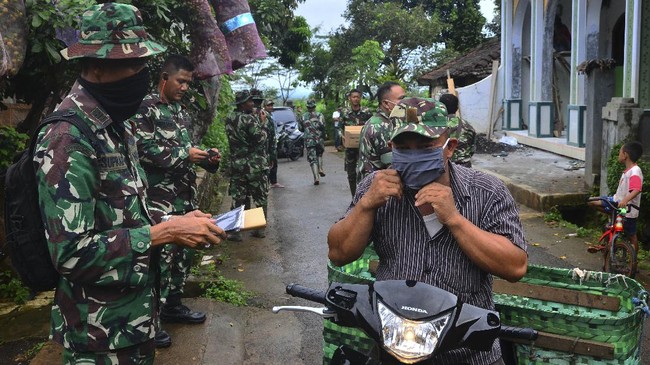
pixel 619 255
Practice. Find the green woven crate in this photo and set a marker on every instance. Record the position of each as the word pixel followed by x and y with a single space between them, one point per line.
pixel 622 328
pixel 334 335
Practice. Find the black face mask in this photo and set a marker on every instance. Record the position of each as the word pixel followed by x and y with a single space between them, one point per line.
pixel 122 98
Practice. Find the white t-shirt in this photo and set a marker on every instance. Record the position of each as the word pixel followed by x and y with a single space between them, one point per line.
pixel 631 180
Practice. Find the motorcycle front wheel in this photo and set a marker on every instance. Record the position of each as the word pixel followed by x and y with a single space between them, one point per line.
pixel 294 152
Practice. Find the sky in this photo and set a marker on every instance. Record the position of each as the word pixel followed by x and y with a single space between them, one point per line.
pixel 328 15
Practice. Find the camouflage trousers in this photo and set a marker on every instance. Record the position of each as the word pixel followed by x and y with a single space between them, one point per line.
pixel 314 152
pixel 175 265
pixel 350 166
pixel 141 354
pixel 244 188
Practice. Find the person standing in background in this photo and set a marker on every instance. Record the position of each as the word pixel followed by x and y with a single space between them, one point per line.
pixel 466 133
pixel 273 143
pixel 249 158
pixel 314 125
pixel 355 115
pixel 374 150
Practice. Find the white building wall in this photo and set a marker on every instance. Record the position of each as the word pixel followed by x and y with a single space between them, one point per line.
pixel 474 102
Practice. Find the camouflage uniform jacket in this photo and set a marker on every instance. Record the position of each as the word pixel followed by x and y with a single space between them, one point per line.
pixel 248 141
pixel 93 205
pixel 351 117
pixel 163 139
pixel 314 128
pixel 272 136
pixel 466 143
pixel 374 152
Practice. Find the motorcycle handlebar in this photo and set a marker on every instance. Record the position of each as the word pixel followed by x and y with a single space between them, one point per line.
pixel 527 334
pixel 304 292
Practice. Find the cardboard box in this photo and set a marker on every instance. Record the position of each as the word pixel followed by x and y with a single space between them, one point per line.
pixel 254 219
pixel 352 135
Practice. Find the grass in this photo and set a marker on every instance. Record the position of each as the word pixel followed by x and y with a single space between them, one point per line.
pixel 218 287
pixel 12 288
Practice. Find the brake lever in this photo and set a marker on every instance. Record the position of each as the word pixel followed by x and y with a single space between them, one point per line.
pixel 323 312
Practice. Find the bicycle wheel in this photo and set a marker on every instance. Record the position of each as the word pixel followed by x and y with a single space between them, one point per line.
pixel 624 259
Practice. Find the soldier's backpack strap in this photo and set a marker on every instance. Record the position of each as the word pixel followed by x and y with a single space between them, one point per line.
pixel 71 117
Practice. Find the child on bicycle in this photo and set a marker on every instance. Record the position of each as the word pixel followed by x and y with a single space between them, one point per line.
pixel 629 189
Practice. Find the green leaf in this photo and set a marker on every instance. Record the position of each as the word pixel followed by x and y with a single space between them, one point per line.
pixel 53 53
pixel 36 21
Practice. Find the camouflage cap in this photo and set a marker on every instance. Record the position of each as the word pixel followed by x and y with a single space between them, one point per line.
pixel 242 97
pixel 268 102
pixel 113 31
pixel 257 94
pixel 423 116
pixel 311 103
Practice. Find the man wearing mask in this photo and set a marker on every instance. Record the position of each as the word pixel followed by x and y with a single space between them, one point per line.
pixel 355 115
pixel 249 160
pixel 374 151
pixel 433 221
pixel 100 231
pixel 167 156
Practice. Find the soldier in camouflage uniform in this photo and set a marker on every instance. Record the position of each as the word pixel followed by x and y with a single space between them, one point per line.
pixel 466 134
pixel 167 156
pixel 249 157
pixel 298 114
pixel 374 151
pixel 353 116
pixel 273 143
pixel 314 127
pixel 93 202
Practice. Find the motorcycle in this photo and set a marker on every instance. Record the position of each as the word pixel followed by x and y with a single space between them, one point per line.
pixel 411 321
pixel 290 142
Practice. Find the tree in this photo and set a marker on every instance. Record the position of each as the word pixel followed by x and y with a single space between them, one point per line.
pixel 493 28
pixel 287 36
pixel 44 77
pixel 462 19
pixel 400 32
pixel 365 64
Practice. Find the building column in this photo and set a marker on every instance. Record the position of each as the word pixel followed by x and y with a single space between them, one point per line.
pixel 576 134
pixel 511 94
pixel 540 107
pixel 631 51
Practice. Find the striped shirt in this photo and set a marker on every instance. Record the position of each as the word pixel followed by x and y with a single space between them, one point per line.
pixel 407 251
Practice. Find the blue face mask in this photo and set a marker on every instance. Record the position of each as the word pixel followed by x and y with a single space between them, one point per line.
pixel 419 167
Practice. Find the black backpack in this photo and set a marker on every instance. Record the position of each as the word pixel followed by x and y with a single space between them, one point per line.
pixel 24 230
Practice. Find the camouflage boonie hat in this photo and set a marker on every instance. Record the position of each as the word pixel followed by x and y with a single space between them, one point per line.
pixel 242 97
pixel 257 94
pixel 311 103
pixel 429 118
pixel 112 31
pixel 267 102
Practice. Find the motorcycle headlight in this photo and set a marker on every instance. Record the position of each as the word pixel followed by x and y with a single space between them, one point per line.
pixel 409 341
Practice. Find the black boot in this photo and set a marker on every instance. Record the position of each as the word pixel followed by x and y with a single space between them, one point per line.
pixel 180 314
pixel 162 339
